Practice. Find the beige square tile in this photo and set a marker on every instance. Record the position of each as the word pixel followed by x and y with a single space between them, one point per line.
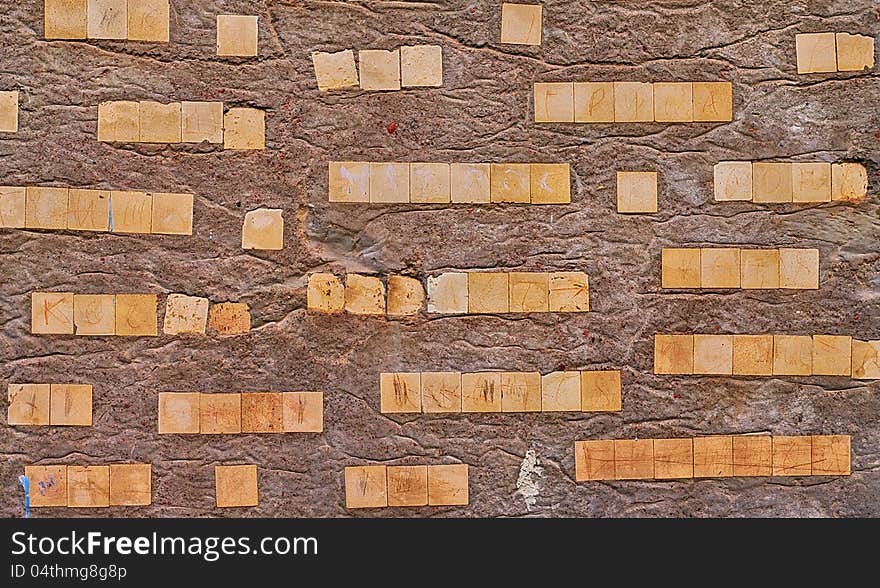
pixel 130 484
pixel 185 314
pixel 854 52
pixel 569 292
pixel 441 391
pixel 52 313
pixel 406 296
pixel 148 20
pixel 752 455
pixel 674 102
pixel 713 101
pixel 469 183
pixel 421 66
pixel 673 458
pixel 236 485
pixel 673 354
pixel 733 180
pixel 349 181
pixel 261 412
pixel 792 355
pixel 201 121
pixel 179 412
pixel 364 295
pixel 594 460
pixel 131 212
pixel 448 485
pixel 511 182
pixel 219 414
pixel 94 314
pixel 799 269
pixel 633 459
pixel 407 485
pixel 429 182
pixel 448 293
pixel 600 391
pixel 830 455
pixel 172 214
pixel 28 404
pixel 550 183
pixel 636 192
pixel 48 485
pixel 229 318
pixel 46 208
pixel 160 123
pixel 633 102
pixel 520 392
pixel 70 405
pixel 759 269
pixel 481 392
pixel 88 210
pixel 107 19
pixel 366 487
pixel 811 182
pixel 325 293
pixel 594 102
pixel 832 355
pixel 380 70
pixel 334 70
pixel 713 354
pixel 866 360
pixel 771 182
pixel 719 267
pixel 713 457
pixel 12 207
pixel 753 355
pixel 88 486
pixel 488 292
pixel 237 35
pixel 554 102
pixel 244 128
pixel 849 181
pixel 400 392
pixel 65 19
pixel 302 412
pixel 389 183
pixel 561 392
pixel 136 314
pixel 263 229
pixel 792 456
pixel 119 121
pixel 9 112
pixel 529 291
pixel 521 24
pixel 680 268
pixel 815 53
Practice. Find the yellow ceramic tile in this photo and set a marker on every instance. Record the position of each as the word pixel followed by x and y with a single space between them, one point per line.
pixel 811 182
pixel 380 70
pixel 179 412
pixel 830 455
pixel 529 291
pixel 866 360
pixel 569 292
pixel 792 355
pixel 172 214
pixel 48 485
pixel 131 212
pixel 759 269
pixel 400 392
pixel 136 315
pixel 854 52
pixel 160 123
pixel 148 20
pixel 673 458
pixel 481 392
pixel 366 487
pixel 521 24
pixel 334 70
pixel 441 391
pixel 752 455
pixel 633 459
pixel 633 102
pixel 448 293
pixel 406 296
pixel 674 102
pixel 594 460
pixel 349 181
pixel 70 405
pixel 119 122
pixel 421 66
pixel 680 268
pixel 65 19
pixel 469 183
pixel 130 484
pixel 673 354
pixel 600 391
pixel 520 392
pixel 799 269
pixel 364 295
pixel 201 121
pixel 88 486
pixel 594 102
pixel 511 182
pixel 713 457
pixel 554 102
pixel 263 229
pixel 229 318
pixel 52 313
pixel 719 267
pixel 816 53
pixel 753 355
pixel 236 485
pixel 389 183
pixel 713 354
pixel 261 412
pixel 792 456
pixel 9 112
pixel 713 101
pixel 636 192
pixel 108 19
pixel 771 182
pixel 832 355
pixel 407 485
pixel 550 183
pixel 429 182
pixel 219 414
pixel 325 293
pixel 448 485
pixel 488 292
pixel 88 210
pixel 733 180
pixel 244 128
pixel 46 208
pixel 237 35
pixel 94 314
pixel 28 404
pixel 185 314
pixel 849 181
pixel 561 392
pixel 302 412
pixel 12 207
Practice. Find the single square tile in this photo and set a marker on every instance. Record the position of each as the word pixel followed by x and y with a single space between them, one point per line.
pixel 407 485
pixel 733 180
pixel 137 315
pixel 481 392
pixel 521 24
pixel 633 459
pixel 48 485
pixel 594 102
pixel 325 293
pixel 799 269
pixel 713 457
pixel 866 360
pixel 636 192
pixel 830 455
pixel 46 208
pixel 88 210
pixel 130 484
pixel 94 314
pixel 65 19
pixel 550 183
pixel 380 70
pixel 119 122
pixel 244 128
pixel 28 404
pixel 261 412
pixel 421 66
pixel 854 52
pixel 179 412
pixel 201 121
pixel 771 182
pixel 263 229
pixel 752 455
pixel 713 354
pixel 811 182
pixel 529 291
pixel 849 181
pixel 600 391
pixel 816 53
pixel 172 214
pixel 510 182
pixel 674 102
pixel 88 486
pixel 334 70
pixel 429 182
pixel 302 412
pixel 753 355
pixel 673 458
pixel 219 414
pixel 594 460
pixel 759 269
pixel 673 354
pixel 389 183
pixel 9 112
pixel 12 207
pixel 441 391
pixel 236 485
pixel 561 392
pixel 108 19
pixel 832 355
pixel 349 181
pixel 554 102
pixel 52 313
pixel 366 487
pixel 488 292
pixel 364 295
pixel 237 35
pixel 469 183
pixel 406 296
pixel 792 355
pixel 680 268
pixel 520 392
pixel 713 101
pixel 148 20
pixel 160 123
pixel 70 405
pixel 448 293
pixel 400 392
pixel 185 314
pixel 569 292
pixel 448 485
pixel 792 456
pixel 131 212
pixel 633 102
pixel 719 267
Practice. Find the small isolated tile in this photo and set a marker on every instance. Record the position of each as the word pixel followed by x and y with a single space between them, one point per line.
pixel 131 212
pixel 481 392
pixel 136 314
pixel 65 19
pixel 550 183
pixel 28 404
pixel 554 102
pixel 510 182
pixel 400 392
pixel 448 485
pixel 832 355
pixel 636 192
pixel 733 181
pixel 792 456
pixel 349 181
pixel 108 19
pixel 713 101
pixel 237 35
pixel 866 360
pixel 488 292
pixel 236 485
pixel 469 183
pixel 529 291
pixel 130 484
pixel 633 459
pixel 148 20
pixel 854 52
pixel 594 102
pixel 759 269
pixel 713 354
pixel 70 405
pixel 680 268
pixel 792 355
pixel 441 391
pixel 407 485
pixel 674 102
pixel 261 412
pixel 429 183
pixel 673 354
pixel 364 295
pixel 752 455
pixel 119 122
pixel 9 112
pixel 263 229
pixel 771 182
pixel 849 181
pixel 160 123
pixel 521 24
pixel 201 121
pixel 719 267
pixel 325 293
pixel 569 292
pixel 561 392
pixel 633 102
pixel 421 66
pixel 815 53
pixel 46 208
pixel 600 391
pixel 302 412
pixel 830 455
pixel 811 182
pixel 94 314
pixel 406 296
pixel 172 214
pixel 673 458
pixel 52 313
pixel 380 70
pixel 594 460
pixel 185 314
pixel 334 70
pixel 520 392
pixel 88 486
pixel 366 487
pixel 389 183
pixel 244 128
pixel 12 207
pixel 88 210
pixel 799 269
pixel 179 412
pixel 753 355
pixel 219 413
pixel 448 293
pixel 713 457
pixel 48 485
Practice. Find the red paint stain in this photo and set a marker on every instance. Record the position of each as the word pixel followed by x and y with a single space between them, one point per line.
pixel 392 127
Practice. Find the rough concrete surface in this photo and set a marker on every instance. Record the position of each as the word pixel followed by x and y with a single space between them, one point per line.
pixel 521 465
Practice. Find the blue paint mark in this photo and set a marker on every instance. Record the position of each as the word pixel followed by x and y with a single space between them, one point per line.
pixel 111 214
pixel 26 484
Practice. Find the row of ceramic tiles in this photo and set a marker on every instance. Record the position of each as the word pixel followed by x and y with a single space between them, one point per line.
pixel 133 20
pixel 417 485
pixel 247 412
pixel 9 111
pixel 49 404
pixel 782 182
pixel 732 267
pixel 830 52
pixel 76 486
pixel 407 67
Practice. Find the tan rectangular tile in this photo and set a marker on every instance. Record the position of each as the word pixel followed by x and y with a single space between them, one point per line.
pixel 325 293
pixel 811 182
pixel 400 392
pixel 771 182
pixel 713 457
pixel 448 485
pixel 569 292
pixel 263 229
pixel 594 460
pixel 28 404
pixel 334 70
pixel 594 102
pixel 633 102
pixel 554 102
pixel 792 456
pixel 9 112
pixel 88 210
pixel 380 70
pixel 799 269
pixel 733 181
pixel 752 455
pixel 364 294
pixel 753 355
pixel 136 315
pixel 236 485
pixel 600 391
pixel 673 354
pixel 107 19
pixel 389 183
pixel 713 101
pixel 441 392
pixel 680 268
pixel 866 360
pixel 673 458
pixel 550 183
pixel 429 183
pixel 88 486
pixel 201 121
pixel 849 181
pixel 349 181
pixel 46 208
pixel 830 455
pixel 561 392
pixel 302 412
pixel 12 207
pixel 633 459
pixel 510 182
pixel 65 19
pixel 521 23
pixel 481 392
pixel 229 318
pixel 244 129
pixel 406 296
pixel 52 313
pixel 520 392
pixel 529 291
pixel 470 183
pixel 219 414
pixel 792 355
pixel 70 405
pixel 48 485
pixel 130 484
pixel 172 214
pixel 131 212
pixel 448 293
pixel 816 53
pixel 179 412
pixel 185 314
pixel 713 354
pixel 636 192
pixel 407 485
pixel 759 269
pixel 674 102
pixel 148 20
pixel 119 122
pixel 720 267
pixel 261 412
pixel 832 355
pixel 366 487
pixel 237 35
pixel 488 292
pixel 160 123
pixel 854 52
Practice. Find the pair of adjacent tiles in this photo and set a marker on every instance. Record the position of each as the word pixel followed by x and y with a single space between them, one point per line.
pixel 830 52
pixel 42 207
pixel 521 24
pixel 408 67
pixel 712 457
pixel 50 404
pixel 146 121
pixel 444 183
pixel 127 484
pixel 629 102
pixel 248 412
pixel 451 392
pixel 420 485
pixel 9 112
pixel 799 182
pixel 56 313
pixel 189 314
pixel 767 355
pixel 263 229
pixel 133 20
pixel 750 269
